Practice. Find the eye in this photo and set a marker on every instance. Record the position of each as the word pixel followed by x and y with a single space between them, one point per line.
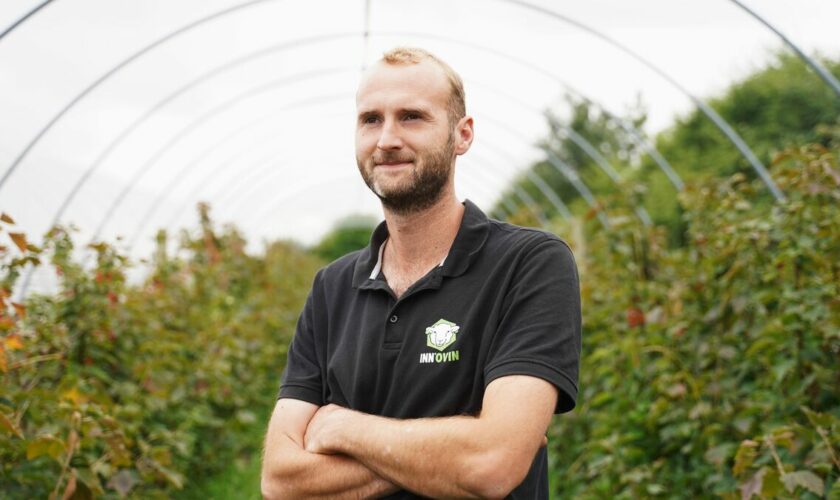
pixel 412 116
pixel 369 119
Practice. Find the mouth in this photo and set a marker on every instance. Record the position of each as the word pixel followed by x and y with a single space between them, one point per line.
pixel 394 164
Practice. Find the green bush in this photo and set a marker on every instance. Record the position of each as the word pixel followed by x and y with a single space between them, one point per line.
pixel 707 370
pixel 116 390
pixel 712 370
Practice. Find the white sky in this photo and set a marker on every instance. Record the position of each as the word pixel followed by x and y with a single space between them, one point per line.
pixel 278 158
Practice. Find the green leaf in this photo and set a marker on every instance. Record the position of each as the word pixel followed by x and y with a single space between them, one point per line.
pixel 45 445
pixel 744 457
pixel 7 424
pixel 834 492
pixel 719 453
pixel 805 479
pixel 81 491
pixel 754 485
pixel 123 482
pixel 772 486
pixel 171 476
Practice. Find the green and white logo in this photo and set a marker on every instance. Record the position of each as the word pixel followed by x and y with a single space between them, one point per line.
pixel 442 334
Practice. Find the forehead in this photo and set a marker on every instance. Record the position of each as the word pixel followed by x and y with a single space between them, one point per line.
pixel 385 85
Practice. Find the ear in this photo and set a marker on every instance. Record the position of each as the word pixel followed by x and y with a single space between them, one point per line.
pixel 465 134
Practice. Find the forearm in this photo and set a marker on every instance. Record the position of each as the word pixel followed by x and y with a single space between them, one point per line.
pixel 301 474
pixel 437 457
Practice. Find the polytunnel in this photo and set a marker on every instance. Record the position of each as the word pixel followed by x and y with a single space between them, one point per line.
pixel 119 119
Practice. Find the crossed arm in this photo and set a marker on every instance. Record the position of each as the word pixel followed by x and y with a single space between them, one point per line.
pixel 340 453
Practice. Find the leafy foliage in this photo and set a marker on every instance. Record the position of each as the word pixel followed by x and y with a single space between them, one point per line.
pixel 348 235
pixel 116 390
pixel 784 104
pixel 712 369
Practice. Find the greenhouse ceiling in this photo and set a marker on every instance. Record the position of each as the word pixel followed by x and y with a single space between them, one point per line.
pixel 119 116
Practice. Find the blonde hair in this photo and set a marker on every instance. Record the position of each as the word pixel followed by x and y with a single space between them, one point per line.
pixel 414 55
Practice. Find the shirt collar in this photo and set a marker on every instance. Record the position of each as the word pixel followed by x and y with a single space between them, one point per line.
pixel 468 241
pixel 378 266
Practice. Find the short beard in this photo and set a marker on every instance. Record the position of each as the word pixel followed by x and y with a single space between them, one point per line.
pixel 428 180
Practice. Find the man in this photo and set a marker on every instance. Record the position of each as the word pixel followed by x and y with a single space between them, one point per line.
pixel 429 363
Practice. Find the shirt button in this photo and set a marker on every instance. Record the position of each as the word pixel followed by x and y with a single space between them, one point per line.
pixel 393 319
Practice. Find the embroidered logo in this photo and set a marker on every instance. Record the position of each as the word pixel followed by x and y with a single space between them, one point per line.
pixel 440 336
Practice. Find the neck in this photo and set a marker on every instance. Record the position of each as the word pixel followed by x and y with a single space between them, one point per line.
pixel 423 238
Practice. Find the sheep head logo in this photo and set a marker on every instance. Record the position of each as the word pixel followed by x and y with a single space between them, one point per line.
pixel 442 334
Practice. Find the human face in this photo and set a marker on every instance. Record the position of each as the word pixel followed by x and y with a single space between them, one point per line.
pixel 405 143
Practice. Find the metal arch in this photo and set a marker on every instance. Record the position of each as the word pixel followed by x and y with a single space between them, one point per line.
pixel 551 195
pixel 564 168
pixel 540 184
pixel 546 190
pixel 222 164
pixel 117 68
pixel 566 171
pixel 581 142
pixel 23 18
pixel 499 213
pixel 187 130
pixel 710 113
pixel 523 195
pixel 179 92
pixel 657 157
pixel 267 212
pixel 153 159
pixel 528 200
pixel 194 124
pixel 147 217
pixel 266 163
pixel 218 70
pixel 301 187
pixel 230 160
pixel 111 72
pixel 226 162
pixel 292 43
pixel 267 160
pixel 177 137
pixel 182 90
pixel 823 73
pixel 631 129
pixel 647 146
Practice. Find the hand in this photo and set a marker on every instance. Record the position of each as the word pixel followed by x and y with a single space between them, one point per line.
pixel 324 429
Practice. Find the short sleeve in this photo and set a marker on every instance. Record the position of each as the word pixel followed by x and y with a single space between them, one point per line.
pixel 301 377
pixel 539 332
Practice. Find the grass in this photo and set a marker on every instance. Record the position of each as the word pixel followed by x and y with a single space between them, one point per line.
pixel 241 480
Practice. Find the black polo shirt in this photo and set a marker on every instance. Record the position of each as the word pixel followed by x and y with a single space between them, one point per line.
pixel 504 301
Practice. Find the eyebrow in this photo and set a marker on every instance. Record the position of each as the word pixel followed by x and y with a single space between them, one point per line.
pixel 419 110
pixel 366 114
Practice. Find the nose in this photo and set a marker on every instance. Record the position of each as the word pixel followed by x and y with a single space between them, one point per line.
pixel 389 138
